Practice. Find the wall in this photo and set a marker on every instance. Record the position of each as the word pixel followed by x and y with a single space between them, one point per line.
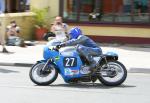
pixel 54 9
pixel 24 20
pixel 117 34
pixel 53 6
pixel 115 31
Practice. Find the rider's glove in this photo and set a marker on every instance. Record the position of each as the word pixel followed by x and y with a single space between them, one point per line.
pixel 60 46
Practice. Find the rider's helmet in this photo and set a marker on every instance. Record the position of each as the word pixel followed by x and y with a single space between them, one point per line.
pixel 75 32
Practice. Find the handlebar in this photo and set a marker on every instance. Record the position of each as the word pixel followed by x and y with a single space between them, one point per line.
pixel 56 48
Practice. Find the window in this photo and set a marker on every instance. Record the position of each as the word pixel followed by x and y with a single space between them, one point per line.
pixel 141 10
pixel 123 12
pixel 109 11
pixel 86 7
pixel 12 6
pixel 70 9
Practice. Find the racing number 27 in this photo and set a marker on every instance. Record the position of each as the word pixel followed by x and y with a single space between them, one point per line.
pixel 70 61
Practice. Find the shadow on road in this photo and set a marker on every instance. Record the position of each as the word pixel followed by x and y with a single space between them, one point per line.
pixel 7 71
pixel 91 86
pixel 7 53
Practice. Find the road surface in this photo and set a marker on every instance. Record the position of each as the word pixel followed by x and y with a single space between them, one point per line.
pixel 16 87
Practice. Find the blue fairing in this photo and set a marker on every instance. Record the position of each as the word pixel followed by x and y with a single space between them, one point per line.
pixel 63 59
pixel 49 53
pixel 69 72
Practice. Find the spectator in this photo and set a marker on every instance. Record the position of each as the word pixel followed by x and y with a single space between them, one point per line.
pixel 2 6
pixel 13 33
pixel 2 42
pixel 13 29
pixel 59 29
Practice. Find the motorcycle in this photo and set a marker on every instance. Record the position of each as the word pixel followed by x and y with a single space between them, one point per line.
pixel 74 68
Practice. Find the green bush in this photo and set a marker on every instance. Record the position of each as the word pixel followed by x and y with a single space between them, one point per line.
pixel 41 17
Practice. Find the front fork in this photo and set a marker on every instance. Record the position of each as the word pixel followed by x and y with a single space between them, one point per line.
pixel 45 68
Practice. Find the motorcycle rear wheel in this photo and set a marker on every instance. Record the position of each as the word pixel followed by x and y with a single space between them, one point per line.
pixel 117 74
pixel 40 78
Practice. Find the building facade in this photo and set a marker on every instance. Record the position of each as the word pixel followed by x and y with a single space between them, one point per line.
pixel 125 21
pixel 106 11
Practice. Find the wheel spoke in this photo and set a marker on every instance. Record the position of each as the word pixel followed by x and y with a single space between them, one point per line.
pixel 42 77
pixel 112 74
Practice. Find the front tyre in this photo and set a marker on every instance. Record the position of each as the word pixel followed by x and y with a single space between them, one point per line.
pixel 43 78
pixel 112 74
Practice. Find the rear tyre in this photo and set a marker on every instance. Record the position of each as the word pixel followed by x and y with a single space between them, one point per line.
pixel 114 75
pixel 40 78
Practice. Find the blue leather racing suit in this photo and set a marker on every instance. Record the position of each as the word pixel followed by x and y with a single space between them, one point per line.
pixel 86 47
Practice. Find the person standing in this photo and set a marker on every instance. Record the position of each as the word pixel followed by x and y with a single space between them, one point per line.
pixel 2 6
pixel 2 41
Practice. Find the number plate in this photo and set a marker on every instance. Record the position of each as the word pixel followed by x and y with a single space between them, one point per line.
pixel 70 62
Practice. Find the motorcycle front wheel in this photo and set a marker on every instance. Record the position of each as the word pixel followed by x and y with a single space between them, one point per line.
pixel 43 78
pixel 113 73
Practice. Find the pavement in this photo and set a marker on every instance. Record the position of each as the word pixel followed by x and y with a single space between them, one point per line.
pixel 21 56
pixel 135 57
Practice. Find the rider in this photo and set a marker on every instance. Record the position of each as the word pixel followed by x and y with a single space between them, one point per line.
pixel 84 45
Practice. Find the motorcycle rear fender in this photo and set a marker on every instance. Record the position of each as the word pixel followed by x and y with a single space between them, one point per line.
pixel 110 56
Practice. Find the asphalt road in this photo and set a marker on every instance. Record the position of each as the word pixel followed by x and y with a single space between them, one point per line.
pixel 16 87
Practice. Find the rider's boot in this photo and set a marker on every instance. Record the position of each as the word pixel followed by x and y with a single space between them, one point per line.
pixel 92 67
pixel 92 63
